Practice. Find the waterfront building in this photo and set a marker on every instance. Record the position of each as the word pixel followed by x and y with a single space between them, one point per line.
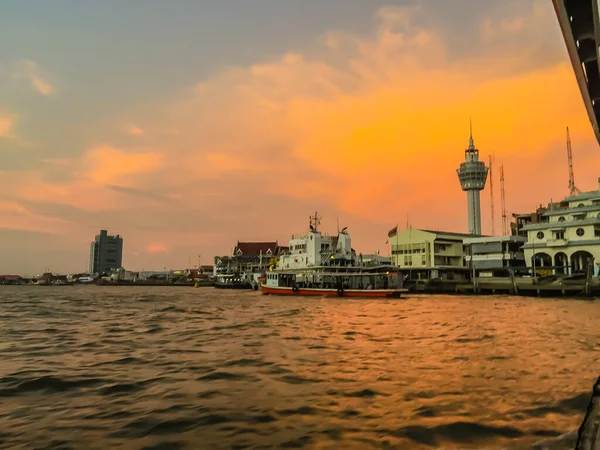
pixel 248 257
pixel 567 240
pixel 521 220
pixel 430 255
pixel 11 279
pixel 490 256
pixel 374 260
pixel 106 253
pixel 472 175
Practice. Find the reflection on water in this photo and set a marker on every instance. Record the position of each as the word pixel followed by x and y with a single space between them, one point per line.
pixel 102 367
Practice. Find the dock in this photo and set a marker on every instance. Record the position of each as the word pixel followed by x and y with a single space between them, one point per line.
pixel 533 286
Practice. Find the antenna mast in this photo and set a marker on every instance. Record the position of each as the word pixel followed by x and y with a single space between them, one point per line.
pixel 315 221
pixel 503 202
pixel 572 188
pixel 492 196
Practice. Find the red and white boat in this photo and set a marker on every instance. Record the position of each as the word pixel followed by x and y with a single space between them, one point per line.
pixel 326 266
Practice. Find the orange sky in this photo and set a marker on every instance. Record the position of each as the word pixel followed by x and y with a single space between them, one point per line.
pixel 365 127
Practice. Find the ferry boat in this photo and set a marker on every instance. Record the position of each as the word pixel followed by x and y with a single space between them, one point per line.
pixel 231 281
pixel 327 266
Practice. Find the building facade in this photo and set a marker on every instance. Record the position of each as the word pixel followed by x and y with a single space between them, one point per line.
pixel 106 253
pixel 567 241
pixel 495 255
pixel 414 248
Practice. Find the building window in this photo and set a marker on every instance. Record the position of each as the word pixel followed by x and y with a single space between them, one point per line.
pixel 540 235
pixel 561 219
pixel 580 232
pixel 559 235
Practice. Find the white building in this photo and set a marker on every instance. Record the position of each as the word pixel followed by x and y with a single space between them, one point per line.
pixel 568 238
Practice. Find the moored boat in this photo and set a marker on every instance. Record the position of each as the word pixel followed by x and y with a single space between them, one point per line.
pixel 321 283
pixel 322 265
pixel 231 281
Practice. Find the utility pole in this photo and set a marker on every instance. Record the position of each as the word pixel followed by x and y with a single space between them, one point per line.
pixel 572 188
pixel 503 202
pixel 492 196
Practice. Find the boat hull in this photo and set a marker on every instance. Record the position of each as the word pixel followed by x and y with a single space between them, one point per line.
pixel 348 293
pixel 232 286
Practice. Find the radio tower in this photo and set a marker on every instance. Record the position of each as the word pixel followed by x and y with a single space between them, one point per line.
pixel 472 175
pixel 492 196
pixel 572 188
pixel 503 202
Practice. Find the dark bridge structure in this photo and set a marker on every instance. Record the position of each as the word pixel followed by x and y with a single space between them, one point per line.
pixel 580 25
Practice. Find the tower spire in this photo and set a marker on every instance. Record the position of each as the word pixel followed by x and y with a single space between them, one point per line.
pixel 471 143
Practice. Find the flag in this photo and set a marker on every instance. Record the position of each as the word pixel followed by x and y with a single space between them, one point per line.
pixel 393 232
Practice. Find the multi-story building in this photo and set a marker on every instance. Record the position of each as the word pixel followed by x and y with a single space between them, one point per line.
pixel 567 241
pixel 426 254
pixel 106 253
pixel 495 255
pixel 248 257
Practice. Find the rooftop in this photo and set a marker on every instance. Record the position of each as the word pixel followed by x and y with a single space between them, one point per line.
pixel 255 248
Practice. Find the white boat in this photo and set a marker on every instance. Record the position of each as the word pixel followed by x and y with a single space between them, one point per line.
pixel 322 265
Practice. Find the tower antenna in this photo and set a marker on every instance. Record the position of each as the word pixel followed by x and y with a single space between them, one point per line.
pixel 572 188
pixel 492 195
pixel 503 202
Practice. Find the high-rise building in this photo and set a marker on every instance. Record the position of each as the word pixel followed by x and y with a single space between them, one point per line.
pixel 472 175
pixel 106 253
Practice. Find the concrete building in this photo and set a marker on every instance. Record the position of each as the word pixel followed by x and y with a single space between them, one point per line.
pixel 567 241
pixel 430 255
pixel 522 220
pixel 495 255
pixel 371 260
pixel 106 253
pixel 472 175
pixel 580 25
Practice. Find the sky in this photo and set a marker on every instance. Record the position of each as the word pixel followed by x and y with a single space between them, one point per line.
pixel 185 126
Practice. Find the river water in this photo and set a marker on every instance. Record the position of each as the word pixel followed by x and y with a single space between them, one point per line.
pixel 169 368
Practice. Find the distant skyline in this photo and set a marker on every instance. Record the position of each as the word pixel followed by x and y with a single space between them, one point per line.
pixel 186 126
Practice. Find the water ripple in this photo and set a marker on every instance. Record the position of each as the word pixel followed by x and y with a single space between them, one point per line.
pixel 160 368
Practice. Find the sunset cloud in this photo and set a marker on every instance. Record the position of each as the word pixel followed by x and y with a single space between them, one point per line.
pixel 134 130
pixel 6 125
pixel 366 126
pixel 157 248
pixel 29 70
pixel 108 164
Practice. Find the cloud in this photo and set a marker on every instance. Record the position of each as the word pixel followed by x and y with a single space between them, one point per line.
pixel 157 248
pixel 109 165
pixel 134 130
pixel 29 70
pixel 368 128
pixel 6 125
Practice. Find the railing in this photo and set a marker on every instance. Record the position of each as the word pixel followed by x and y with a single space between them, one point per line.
pixel 326 257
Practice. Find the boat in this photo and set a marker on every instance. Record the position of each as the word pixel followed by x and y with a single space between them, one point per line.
pixel 323 283
pixel 327 266
pixel 231 281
